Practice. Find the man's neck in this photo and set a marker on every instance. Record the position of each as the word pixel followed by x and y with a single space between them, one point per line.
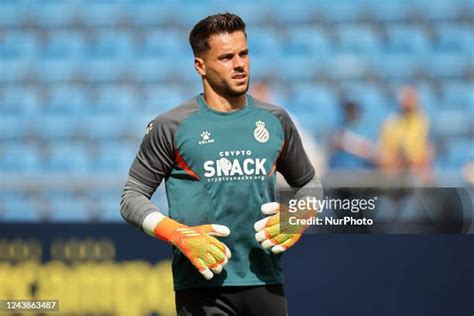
pixel 224 103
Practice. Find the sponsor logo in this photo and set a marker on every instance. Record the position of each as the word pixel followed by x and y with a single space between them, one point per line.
pixel 206 138
pixel 260 133
pixel 229 167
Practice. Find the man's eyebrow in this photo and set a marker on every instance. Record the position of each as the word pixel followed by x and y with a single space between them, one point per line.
pixel 223 55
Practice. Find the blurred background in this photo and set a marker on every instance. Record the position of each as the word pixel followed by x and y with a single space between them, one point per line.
pixel 380 90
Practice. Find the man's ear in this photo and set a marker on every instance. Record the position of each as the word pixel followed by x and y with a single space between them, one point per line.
pixel 199 66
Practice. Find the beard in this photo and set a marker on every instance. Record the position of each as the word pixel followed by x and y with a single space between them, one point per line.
pixel 223 87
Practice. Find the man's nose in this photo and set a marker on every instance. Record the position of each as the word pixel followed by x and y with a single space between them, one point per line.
pixel 239 62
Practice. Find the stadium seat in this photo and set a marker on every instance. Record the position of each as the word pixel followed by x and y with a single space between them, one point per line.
pixel 114 157
pixel 13 127
pixel 63 45
pixel 264 41
pixel 67 158
pixel 397 66
pixel 164 43
pixel 101 13
pixel 56 70
pixel 439 10
pixel 389 11
pixel 14 70
pixel 67 208
pixel 307 41
pixel 449 65
pixel 55 13
pixel 460 95
pixel 342 11
pixel 65 99
pixel 19 101
pixel 12 13
pixel 19 158
pixel 115 100
pixel 17 45
pixel 460 151
pixel 354 39
pixel 406 39
pixel 348 66
pixel 455 38
pixel 55 127
pixel 452 123
pixel 103 127
pixel 18 210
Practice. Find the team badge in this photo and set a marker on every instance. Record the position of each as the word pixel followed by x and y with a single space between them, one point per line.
pixel 261 134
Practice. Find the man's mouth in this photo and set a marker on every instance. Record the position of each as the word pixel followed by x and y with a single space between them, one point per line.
pixel 239 76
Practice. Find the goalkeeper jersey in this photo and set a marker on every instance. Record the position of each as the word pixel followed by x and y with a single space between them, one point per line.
pixel 219 168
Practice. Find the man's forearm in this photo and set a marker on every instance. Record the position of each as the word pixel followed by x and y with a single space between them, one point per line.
pixel 136 207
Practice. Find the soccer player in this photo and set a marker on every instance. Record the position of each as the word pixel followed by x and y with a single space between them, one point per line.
pixel 218 153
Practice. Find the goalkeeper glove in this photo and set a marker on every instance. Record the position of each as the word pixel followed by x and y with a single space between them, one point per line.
pixel 197 243
pixel 275 234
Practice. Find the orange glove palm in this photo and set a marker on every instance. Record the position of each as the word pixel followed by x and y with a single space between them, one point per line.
pixel 197 243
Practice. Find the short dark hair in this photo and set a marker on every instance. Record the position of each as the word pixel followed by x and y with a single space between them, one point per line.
pixel 214 24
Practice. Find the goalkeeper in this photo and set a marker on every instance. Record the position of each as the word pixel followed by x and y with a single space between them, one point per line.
pixel 218 154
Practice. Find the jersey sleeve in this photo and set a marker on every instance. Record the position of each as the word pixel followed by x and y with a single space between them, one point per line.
pixel 293 162
pixel 155 158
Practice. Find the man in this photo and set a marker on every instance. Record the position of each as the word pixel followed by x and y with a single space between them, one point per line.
pixel 218 154
pixel 404 143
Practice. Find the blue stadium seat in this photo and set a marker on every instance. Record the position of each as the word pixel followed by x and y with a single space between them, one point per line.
pixel 18 44
pixel 55 13
pixel 342 11
pixel 13 127
pixel 439 10
pixel 18 158
pixel 390 11
pixel 103 69
pixel 160 99
pixel 115 100
pixel 150 13
pixel 67 208
pixel 152 69
pixel 110 44
pixel 406 39
pixel 100 13
pixel 460 95
pixel 449 65
pixel 12 13
pixel 348 66
pixel 65 99
pixel 452 122
pixel 19 210
pixel 109 208
pixel 356 39
pixel 164 43
pixel 453 37
pixel 296 68
pixel 63 45
pixel 315 106
pixel 114 157
pixel 14 70
pixel 264 41
pixel 19 101
pixel 67 158
pixel 251 13
pixel 291 13
pixel 307 41
pixel 57 70
pixel 56 127
pixel 103 127
pixel 397 66
pixel 460 151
